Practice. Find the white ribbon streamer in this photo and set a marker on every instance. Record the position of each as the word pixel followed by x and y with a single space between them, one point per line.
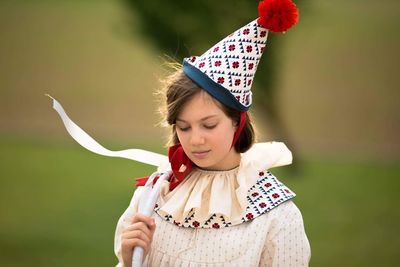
pixel 89 143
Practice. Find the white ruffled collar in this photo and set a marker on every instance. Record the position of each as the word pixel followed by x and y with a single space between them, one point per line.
pixel 222 194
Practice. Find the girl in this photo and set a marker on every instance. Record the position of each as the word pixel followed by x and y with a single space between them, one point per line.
pixel 221 206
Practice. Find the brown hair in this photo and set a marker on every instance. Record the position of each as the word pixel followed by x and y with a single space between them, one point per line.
pixel 178 89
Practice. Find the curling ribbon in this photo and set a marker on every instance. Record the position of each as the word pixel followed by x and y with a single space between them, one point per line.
pixel 90 144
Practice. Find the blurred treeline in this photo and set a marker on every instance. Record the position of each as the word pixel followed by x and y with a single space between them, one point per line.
pixel 332 82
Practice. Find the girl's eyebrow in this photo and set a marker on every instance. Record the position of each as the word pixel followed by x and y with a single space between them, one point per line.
pixel 202 119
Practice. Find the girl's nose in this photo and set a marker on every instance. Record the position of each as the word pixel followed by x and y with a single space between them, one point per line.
pixel 197 138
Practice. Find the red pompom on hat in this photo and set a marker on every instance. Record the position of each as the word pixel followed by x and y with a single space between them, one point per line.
pixel 277 15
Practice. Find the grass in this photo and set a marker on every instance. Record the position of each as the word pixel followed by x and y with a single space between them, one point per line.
pixel 349 211
pixel 59 205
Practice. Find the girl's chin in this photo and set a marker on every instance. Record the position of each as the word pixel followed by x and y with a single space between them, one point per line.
pixel 202 164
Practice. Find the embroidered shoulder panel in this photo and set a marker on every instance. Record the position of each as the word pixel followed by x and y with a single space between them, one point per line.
pixel 267 193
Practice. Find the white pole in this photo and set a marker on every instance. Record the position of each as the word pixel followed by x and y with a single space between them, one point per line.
pixel 148 208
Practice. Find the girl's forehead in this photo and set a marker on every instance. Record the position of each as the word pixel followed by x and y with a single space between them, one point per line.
pixel 200 106
pixel 202 99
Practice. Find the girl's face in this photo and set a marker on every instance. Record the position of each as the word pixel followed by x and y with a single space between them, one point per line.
pixel 206 134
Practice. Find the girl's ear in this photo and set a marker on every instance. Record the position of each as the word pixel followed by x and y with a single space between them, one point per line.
pixel 235 124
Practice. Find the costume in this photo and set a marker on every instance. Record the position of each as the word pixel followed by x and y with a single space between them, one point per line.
pixel 239 217
pixel 198 225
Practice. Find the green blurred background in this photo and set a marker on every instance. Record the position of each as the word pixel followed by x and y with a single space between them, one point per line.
pixel 338 97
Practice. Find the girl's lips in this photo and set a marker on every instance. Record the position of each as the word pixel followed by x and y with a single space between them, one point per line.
pixel 200 154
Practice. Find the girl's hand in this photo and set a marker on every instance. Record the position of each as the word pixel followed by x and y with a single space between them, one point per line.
pixel 139 233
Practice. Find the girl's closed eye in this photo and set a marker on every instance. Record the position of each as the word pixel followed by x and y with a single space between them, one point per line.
pixel 183 129
pixel 210 126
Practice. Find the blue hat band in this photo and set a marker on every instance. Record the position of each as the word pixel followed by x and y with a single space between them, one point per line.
pixel 216 90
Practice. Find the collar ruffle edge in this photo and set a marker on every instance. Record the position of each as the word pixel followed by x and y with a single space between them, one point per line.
pixel 251 188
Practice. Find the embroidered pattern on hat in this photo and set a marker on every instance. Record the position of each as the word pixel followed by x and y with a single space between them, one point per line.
pixel 267 193
pixel 232 63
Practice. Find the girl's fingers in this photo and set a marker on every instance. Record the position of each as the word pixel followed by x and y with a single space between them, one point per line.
pixel 139 226
pixel 136 234
pixel 142 218
pixel 146 220
pixel 129 244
